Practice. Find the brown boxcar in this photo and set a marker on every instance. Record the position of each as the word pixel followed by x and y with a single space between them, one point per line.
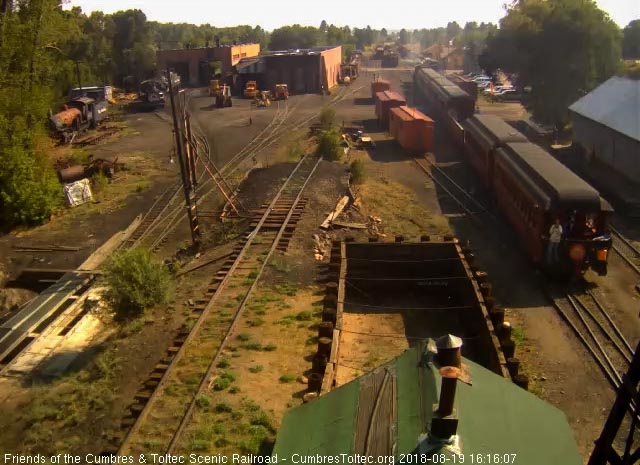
pixel 379 86
pixel 411 128
pixel 384 102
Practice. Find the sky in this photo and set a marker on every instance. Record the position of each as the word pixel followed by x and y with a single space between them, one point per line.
pixel 391 14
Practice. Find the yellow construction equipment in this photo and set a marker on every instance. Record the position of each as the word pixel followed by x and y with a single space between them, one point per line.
pixel 251 89
pixel 281 92
pixel 263 98
pixel 214 87
pixel 223 97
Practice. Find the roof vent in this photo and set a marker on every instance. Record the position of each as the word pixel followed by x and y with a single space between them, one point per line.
pixel 449 351
pixel 444 423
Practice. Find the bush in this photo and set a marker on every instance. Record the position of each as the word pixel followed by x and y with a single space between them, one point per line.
pixel 329 145
pixel 327 116
pixel 358 171
pixel 287 378
pixel 136 280
pixel 29 189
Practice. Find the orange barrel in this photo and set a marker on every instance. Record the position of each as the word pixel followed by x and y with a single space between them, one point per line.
pixel 601 255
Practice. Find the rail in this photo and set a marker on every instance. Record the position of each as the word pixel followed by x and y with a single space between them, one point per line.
pixel 464 200
pixel 592 324
pixel 626 250
pixel 207 337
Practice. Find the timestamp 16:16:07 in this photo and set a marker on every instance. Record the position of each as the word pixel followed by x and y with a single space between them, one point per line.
pixel 455 459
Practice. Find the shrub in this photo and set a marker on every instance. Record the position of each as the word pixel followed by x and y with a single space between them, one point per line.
pixel 223 407
pixel 327 116
pixel 358 171
pixel 29 189
pixel 287 378
pixel 329 145
pixel 136 280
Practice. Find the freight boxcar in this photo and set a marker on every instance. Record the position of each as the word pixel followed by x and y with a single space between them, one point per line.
pixel 533 189
pixel 483 135
pixel 412 129
pixel 379 86
pixel 385 101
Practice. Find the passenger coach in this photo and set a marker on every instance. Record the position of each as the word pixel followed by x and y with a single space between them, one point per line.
pixel 533 189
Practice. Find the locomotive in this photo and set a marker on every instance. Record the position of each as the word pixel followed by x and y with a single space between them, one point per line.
pixel 531 188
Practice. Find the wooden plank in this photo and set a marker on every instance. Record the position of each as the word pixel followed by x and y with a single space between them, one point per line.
pixel 344 224
pixel 329 377
pixel 342 203
pixel 335 346
pixel 105 250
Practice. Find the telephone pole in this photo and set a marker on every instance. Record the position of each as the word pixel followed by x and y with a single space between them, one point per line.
pixel 187 187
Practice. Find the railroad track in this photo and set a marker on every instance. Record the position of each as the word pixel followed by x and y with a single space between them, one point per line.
pixel 162 411
pixel 627 251
pixel 268 137
pixel 468 204
pixel 592 324
pixel 164 215
pixel 168 212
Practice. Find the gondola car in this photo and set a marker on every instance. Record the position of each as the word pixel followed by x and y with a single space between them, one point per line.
pixel 445 100
pixel 483 134
pixel 533 189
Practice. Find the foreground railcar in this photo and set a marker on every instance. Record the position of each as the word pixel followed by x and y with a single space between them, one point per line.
pixel 533 189
pixel 483 134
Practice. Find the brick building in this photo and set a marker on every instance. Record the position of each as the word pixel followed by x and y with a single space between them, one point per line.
pixel 194 64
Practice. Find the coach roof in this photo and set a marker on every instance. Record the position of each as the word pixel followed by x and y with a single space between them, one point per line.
pixel 536 167
pixel 491 131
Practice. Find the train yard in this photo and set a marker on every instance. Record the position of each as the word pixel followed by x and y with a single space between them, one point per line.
pixel 188 383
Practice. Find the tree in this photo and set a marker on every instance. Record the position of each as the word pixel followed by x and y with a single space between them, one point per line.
pixel 453 30
pixel 293 37
pixel 561 48
pixel 404 37
pixel 631 40
pixel 323 26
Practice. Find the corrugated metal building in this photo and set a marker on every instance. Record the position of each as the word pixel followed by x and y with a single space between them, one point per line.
pixel 304 71
pixel 606 123
pixel 393 411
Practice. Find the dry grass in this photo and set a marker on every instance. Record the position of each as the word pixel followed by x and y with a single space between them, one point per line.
pixel 244 416
pixel 401 212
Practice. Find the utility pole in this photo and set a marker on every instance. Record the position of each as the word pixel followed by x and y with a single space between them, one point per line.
pixel 78 73
pixel 190 203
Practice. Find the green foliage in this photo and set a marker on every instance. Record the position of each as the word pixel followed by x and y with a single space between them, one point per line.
pixel 561 48
pixel 224 380
pixel 256 369
pixel 294 37
pixel 329 145
pixel 358 171
pixel 224 363
pixel 304 316
pixel 327 117
pixel 287 378
pixel 631 40
pixel 136 280
pixel 223 407
pixel 29 189
pixel 631 70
